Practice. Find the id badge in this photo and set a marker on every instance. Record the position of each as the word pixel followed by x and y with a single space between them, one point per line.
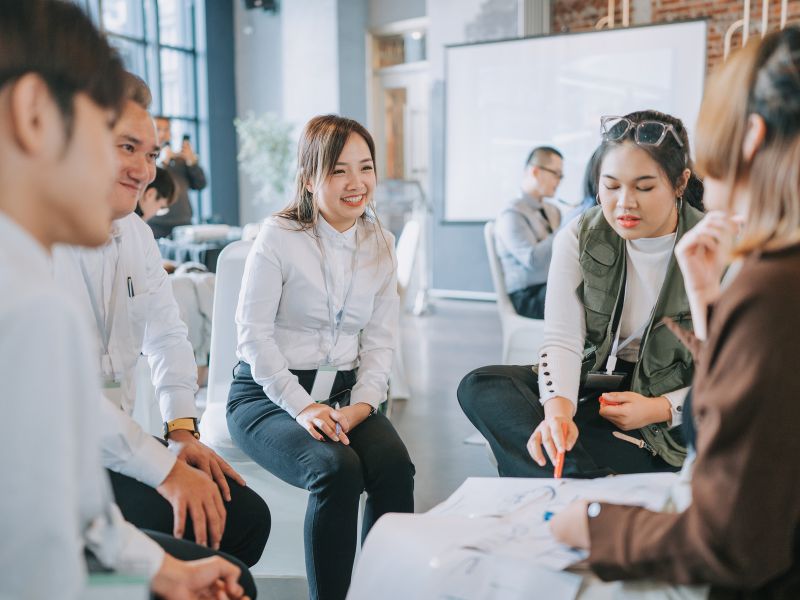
pixel 323 383
pixel 112 389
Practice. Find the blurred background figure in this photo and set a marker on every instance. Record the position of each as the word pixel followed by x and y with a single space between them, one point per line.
pixel 158 196
pixel 186 173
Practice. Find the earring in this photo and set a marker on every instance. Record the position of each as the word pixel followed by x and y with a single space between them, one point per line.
pixel 679 203
pixel 597 198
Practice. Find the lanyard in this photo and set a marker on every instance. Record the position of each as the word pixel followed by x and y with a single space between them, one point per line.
pixel 104 327
pixel 611 362
pixel 336 318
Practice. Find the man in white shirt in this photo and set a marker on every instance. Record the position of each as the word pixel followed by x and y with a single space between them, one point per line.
pixel 60 88
pixel 124 290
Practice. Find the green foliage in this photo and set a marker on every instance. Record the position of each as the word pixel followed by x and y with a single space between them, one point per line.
pixel 266 155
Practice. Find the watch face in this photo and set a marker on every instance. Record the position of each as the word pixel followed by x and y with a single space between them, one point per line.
pixel 593 509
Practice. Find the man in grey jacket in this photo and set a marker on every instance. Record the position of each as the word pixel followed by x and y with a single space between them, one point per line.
pixel 524 232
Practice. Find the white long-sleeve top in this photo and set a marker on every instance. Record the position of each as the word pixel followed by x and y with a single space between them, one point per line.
pixel 57 497
pixel 282 318
pixel 565 321
pixel 146 321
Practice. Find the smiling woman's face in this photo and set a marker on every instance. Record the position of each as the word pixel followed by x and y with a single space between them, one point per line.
pixel 637 199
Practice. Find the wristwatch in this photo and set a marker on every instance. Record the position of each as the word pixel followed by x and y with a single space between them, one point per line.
pixel 185 424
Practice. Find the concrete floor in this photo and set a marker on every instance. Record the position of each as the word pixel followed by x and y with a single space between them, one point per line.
pixel 439 349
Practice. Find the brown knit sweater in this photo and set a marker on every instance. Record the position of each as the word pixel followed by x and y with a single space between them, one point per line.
pixel 741 533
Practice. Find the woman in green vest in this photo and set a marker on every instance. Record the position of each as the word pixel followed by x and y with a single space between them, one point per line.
pixel 611 378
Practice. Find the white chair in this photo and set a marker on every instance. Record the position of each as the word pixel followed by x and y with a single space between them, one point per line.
pixel 284 555
pixel 522 337
pixel 406 251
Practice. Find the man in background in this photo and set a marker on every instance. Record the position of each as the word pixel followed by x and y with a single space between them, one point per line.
pixel 187 174
pixel 524 232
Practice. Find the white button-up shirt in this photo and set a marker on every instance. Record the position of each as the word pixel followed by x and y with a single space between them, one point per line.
pixel 57 497
pixel 146 321
pixel 283 318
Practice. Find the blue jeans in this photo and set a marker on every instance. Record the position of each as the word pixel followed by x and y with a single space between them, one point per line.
pixel 335 475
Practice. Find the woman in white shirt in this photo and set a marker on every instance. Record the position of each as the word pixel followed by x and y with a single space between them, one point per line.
pixel 609 371
pixel 316 321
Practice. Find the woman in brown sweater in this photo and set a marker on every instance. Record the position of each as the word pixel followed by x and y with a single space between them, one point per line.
pixel 741 534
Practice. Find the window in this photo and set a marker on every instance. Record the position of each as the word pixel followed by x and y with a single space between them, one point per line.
pixel 156 39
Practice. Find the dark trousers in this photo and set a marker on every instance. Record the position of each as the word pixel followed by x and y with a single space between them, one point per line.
pixel 335 475
pixel 503 403
pixel 247 523
pixel 529 302
pixel 184 550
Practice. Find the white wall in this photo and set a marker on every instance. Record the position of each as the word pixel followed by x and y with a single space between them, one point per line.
pixel 307 60
pixel 383 12
pixel 259 81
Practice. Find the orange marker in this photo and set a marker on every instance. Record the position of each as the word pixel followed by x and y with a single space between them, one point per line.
pixel 560 455
pixel 604 402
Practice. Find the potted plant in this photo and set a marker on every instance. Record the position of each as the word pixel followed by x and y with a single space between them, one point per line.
pixel 265 154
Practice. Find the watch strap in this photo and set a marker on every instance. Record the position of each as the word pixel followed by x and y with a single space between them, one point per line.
pixel 182 424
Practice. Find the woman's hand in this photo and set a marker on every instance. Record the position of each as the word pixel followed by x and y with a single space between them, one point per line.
pixel 571 525
pixel 703 253
pixel 214 578
pixel 558 412
pixel 629 410
pixel 352 416
pixel 320 418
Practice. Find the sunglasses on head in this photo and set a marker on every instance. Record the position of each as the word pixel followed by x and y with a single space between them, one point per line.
pixel 645 133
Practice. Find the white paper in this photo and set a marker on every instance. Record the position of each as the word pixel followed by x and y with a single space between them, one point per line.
pixel 490 539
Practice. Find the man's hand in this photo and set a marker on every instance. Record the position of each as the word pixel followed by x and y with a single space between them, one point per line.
pixel 204 458
pixel 187 153
pixel 213 578
pixel 190 490
pixel 629 410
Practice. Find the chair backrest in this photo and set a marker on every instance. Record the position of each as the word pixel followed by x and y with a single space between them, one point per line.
pixel 406 252
pixel 222 359
pixel 503 301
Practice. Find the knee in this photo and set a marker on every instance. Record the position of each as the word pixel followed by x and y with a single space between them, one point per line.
pixel 341 475
pixel 470 392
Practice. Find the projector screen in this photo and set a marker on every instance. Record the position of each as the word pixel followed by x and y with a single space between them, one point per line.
pixel 504 98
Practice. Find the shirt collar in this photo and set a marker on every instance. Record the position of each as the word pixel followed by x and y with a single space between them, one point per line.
pixel 327 230
pixel 35 258
pixel 530 201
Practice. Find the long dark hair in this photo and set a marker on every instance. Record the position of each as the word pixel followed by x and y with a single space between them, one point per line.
pixel 670 157
pixel 321 143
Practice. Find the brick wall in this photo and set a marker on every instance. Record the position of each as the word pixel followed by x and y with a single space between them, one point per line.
pixel 582 15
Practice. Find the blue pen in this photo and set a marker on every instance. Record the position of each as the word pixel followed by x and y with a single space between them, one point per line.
pixel 338 427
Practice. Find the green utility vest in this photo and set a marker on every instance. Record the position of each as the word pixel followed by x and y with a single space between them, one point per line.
pixel 665 364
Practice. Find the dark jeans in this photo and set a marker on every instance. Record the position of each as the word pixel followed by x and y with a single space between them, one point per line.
pixel 503 403
pixel 247 523
pixel 529 302
pixel 183 550
pixel 376 461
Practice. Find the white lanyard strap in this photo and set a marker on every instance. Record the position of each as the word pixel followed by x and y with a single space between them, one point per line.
pixel 104 328
pixel 336 318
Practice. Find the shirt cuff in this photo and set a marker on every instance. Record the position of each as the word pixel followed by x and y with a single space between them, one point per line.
pixel 140 554
pixel 554 364
pixel 367 395
pixel 151 463
pixel 295 401
pixel 676 400
pixel 177 404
